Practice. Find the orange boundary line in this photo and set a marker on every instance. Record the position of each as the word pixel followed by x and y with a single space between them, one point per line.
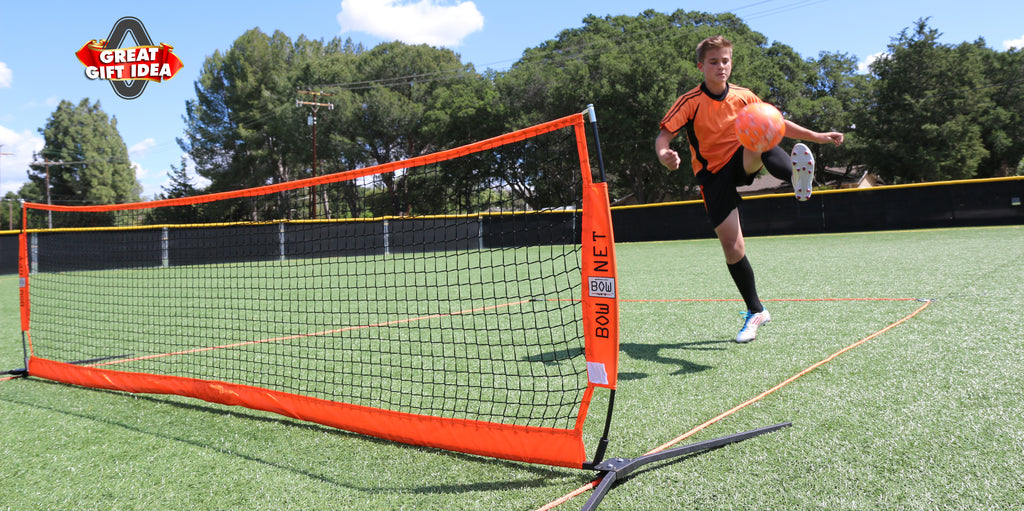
pixel 593 484
pixel 715 300
pixel 675 300
pixel 312 334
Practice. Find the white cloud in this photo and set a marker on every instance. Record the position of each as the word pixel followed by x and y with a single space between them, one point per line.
pixel 864 67
pixel 1014 43
pixel 140 148
pixel 190 169
pixel 6 76
pixel 14 166
pixel 140 173
pixel 153 183
pixel 432 22
pixel 150 185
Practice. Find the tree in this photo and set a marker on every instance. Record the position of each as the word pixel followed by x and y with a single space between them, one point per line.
pixel 393 102
pixel 924 123
pixel 179 187
pixel 632 68
pixel 10 212
pixel 417 100
pixel 1002 124
pixel 241 128
pixel 319 66
pixel 833 92
pixel 83 134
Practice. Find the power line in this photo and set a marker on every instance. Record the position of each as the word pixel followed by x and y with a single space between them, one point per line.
pixel 579 51
pixel 393 81
pixel 780 9
pixel 567 55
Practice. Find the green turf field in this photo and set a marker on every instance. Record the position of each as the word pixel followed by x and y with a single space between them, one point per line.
pixel 927 415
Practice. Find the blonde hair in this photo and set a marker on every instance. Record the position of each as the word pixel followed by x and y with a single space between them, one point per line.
pixel 712 43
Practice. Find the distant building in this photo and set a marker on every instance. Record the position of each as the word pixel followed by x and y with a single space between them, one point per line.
pixel 855 177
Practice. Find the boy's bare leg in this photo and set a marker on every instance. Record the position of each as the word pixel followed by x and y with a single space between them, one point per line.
pixel 731 237
pixel 752 161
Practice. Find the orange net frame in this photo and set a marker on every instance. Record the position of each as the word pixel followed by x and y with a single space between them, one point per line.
pixel 463 300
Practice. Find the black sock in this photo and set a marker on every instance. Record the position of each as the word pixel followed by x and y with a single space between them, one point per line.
pixel 778 163
pixel 743 276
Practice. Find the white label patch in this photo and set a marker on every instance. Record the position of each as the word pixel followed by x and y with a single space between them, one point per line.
pixel 601 287
pixel 596 373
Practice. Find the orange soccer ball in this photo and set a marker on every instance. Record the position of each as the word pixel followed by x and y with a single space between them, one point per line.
pixel 759 127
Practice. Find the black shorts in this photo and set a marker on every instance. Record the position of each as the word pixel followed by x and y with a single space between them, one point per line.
pixel 718 189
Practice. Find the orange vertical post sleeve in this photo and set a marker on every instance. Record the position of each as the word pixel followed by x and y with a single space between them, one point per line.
pixel 600 278
pixel 23 270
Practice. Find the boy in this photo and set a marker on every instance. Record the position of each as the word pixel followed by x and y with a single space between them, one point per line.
pixel 720 163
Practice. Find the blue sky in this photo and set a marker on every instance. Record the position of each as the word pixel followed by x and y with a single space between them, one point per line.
pixel 38 40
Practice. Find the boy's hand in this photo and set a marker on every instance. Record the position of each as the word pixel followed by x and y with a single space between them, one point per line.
pixel 667 157
pixel 798 132
pixel 670 159
pixel 832 136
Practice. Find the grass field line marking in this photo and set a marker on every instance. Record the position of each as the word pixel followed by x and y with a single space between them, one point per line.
pixel 715 300
pixel 311 334
pixel 593 484
pixel 787 381
pixel 674 300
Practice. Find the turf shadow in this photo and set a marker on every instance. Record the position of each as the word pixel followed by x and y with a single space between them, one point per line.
pixel 654 353
pixel 543 475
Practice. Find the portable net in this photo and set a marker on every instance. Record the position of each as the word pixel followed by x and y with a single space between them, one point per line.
pixel 463 300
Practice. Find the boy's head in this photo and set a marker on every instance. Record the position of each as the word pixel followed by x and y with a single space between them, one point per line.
pixel 714 60
pixel 712 43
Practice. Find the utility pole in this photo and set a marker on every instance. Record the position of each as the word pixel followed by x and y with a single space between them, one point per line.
pixel 314 106
pixel 47 164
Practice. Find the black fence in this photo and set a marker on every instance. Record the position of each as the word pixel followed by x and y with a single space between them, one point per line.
pixel 61 250
pixel 955 204
pixel 952 204
pixel 8 253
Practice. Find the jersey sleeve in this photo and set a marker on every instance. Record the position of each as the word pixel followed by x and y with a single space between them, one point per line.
pixel 678 115
pixel 749 97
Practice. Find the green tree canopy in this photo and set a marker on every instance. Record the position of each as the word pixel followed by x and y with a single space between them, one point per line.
pixel 1003 124
pixel 393 102
pixel 96 168
pixel 925 122
pixel 179 186
pixel 928 111
pixel 242 129
pixel 632 68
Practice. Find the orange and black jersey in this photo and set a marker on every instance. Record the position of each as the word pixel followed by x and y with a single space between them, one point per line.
pixel 710 124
